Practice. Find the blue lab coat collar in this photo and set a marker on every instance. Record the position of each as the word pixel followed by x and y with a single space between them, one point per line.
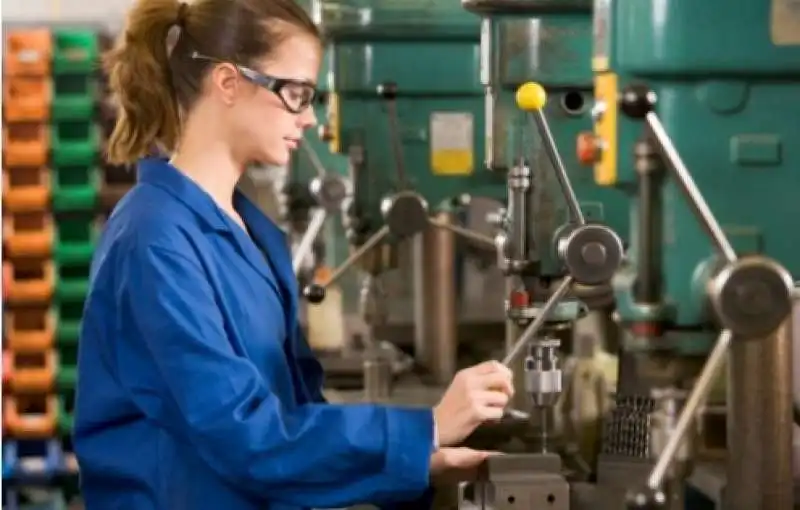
pixel 267 236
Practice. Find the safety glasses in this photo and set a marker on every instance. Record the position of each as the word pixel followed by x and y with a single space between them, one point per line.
pixel 296 95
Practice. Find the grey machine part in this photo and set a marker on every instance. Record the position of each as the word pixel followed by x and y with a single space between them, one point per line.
pixel 406 215
pixel 590 255
pixel 752 299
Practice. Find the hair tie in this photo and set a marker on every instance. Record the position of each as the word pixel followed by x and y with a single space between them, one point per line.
pixel 183 13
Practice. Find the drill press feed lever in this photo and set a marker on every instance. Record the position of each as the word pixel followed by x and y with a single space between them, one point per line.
pixel 330 191
pixel 590 252
pixel 750 296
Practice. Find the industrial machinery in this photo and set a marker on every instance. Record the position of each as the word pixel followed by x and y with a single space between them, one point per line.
pixel 553 201
pixel 404 105
pixel 708 126
pixel 692 130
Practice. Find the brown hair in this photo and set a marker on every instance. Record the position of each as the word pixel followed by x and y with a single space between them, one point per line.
pixel 152 85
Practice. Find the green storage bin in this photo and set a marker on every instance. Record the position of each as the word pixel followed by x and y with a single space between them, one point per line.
pixel 74 97
pixel 75 52
pixel 74 188
pixel 72 282
pixel 76 238
pixel 74 143
pixel 69 316
pixel 66 410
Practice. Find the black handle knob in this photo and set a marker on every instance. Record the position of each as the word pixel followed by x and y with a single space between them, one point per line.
pixel 645 499
pixel 314 293
pixel 637 100
pixel 388 90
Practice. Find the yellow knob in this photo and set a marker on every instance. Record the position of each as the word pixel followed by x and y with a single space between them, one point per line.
pixel 531 96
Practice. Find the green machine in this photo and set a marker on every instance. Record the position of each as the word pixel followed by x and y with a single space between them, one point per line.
pixel 560 240
pixel 405 107
pixel 696 113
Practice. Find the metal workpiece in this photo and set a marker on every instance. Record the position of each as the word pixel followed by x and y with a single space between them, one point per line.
pixel 514 481
pixel 591 253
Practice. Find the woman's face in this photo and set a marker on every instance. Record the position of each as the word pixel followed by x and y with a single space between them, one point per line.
pixel 265 129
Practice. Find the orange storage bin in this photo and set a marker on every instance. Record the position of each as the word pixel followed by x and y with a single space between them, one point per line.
pixel 8 274
pixel 26 143
pixel 26 99
pixel 33 372
pixel 30 329
pixel 28 52
pixel 8 367
pixel 26 189
pixel 31 417
pixel 32 281
pixel 28 234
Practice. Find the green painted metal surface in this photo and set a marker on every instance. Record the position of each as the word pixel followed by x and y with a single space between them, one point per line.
pixel 726 80
pixel 431 52
pixel 550 42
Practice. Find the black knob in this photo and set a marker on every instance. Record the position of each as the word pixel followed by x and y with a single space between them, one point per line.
pixel 314 293
pixel 645 499
pixel 388 90
pixel 636 101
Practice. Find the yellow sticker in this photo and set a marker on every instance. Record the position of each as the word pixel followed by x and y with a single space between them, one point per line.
pixel 785 23
pixel 452 143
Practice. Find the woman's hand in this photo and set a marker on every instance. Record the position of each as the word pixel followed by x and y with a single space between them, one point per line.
pixel 453 465
pixel 476 395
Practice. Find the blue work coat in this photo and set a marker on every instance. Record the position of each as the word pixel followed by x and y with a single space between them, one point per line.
pixel 196 389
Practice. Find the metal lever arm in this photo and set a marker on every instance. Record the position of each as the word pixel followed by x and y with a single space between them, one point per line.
pixel 696 399
pixel 533 329
pixel 309 236
pixel 532 97
pixel 315 293
pixel 466 233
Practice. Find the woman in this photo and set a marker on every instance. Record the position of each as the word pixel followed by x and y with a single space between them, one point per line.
pixel 197 391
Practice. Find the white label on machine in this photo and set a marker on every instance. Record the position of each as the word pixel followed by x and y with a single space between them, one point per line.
pixel 452 148
pixel 785 25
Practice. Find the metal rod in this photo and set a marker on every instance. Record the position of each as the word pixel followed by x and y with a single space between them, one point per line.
pixel 371 243
pixel 314 158
pixel 531 331
pixel 698 395
pixel 307 241
pixel 759 466
pixel 464 232
pixel 687 184
pixel 397 146
pixel 558 165
pixel 649 276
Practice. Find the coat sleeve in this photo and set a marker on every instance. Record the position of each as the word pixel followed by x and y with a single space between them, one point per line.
pixel 189 380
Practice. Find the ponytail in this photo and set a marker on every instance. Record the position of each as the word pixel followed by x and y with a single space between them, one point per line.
pixel 141 80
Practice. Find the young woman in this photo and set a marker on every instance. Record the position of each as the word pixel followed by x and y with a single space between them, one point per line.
pixel 197 391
